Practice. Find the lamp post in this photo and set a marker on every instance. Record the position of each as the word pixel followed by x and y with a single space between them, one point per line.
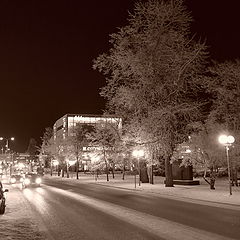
pixel 7 149
pixel 227 141
pixel 7 142
pixel 138 153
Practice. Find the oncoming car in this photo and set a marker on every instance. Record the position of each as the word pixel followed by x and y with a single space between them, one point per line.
pixel 16 178
pixel 31 179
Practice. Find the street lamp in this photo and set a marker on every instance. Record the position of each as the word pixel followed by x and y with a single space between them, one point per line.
pixel 7 149
pixel 227 141
pixel 7 142
pixel 138 153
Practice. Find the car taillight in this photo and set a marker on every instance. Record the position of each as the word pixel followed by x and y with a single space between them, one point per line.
pixel 38 180
pixel 27 181
pixel 13 180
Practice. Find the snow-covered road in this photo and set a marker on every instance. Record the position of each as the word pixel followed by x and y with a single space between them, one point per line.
pixel 19 222
pixel 66 210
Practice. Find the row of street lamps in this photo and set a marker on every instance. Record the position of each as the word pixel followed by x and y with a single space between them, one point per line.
pixel 226 140
pixel 7 150
pixel 7 143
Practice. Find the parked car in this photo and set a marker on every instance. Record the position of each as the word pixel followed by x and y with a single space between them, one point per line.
pixel 16 178
pixel 31 179
pixel 2 199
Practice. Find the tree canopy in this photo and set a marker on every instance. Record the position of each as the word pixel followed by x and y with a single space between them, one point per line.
pixel 153 75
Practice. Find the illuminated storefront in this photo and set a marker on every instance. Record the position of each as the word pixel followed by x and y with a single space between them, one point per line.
pixel 62 126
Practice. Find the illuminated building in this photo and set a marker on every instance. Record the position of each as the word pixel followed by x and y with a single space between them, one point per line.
pixel 62 126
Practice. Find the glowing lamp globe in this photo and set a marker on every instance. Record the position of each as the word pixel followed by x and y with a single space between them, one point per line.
pixel 231 139
pixel 138 153
pixel 224 139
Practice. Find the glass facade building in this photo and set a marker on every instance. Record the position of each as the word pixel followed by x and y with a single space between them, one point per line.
pixel 62 126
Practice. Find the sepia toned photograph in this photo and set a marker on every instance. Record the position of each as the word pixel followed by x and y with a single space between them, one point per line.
pixel 119 120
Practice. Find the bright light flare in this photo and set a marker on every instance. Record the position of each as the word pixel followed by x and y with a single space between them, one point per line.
pixel 224 139
pixel 55 162
pixel 21 165
pixel 38 180
pixel 138 153
pixel 71 162
pixel 27 181
pixel 13 180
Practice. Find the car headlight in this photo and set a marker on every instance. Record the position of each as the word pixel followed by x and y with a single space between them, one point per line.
pixel 27 181
pixel 38 180
pixel 13 180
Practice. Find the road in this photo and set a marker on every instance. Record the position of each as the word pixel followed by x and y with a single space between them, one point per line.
pixel 65 210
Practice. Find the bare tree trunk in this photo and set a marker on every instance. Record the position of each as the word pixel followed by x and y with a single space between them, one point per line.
pixel 123 175
pixel 106 163
pixel 107 171
pixel 77 168
pixel 51 168
pixel 168 173
pixel 58 170
pixel 151 174
pixel 67 168
pixel 113 166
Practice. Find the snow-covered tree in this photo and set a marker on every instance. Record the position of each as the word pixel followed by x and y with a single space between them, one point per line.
pixel 106 142
pixel 77 142
pixel 152 76
pixel 224 84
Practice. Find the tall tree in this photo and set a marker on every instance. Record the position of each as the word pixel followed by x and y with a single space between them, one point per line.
pixel 54 149
pixel 44 150
pixel 224 85
pixel 152 73
pixel 32 150
pixel 78 142
pixel 106 141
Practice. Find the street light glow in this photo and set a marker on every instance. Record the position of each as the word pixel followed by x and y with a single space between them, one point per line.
pixel 224 139
pixel 227 141
pixel 230 139
pixel 138 153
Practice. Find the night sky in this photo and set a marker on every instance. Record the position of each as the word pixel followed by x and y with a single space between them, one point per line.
pixel 47 49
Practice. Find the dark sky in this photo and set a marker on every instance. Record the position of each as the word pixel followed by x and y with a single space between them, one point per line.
pixel 47 48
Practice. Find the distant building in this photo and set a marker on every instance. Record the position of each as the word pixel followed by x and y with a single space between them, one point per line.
pixel 62 126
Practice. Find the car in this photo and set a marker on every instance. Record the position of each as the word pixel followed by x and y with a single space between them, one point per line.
pixel 16 178
pixel 2 199
pixel 31 179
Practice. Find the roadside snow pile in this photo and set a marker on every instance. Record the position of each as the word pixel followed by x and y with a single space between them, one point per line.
pixel 18 222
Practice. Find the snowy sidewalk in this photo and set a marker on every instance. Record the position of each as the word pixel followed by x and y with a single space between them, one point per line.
pixel 200 192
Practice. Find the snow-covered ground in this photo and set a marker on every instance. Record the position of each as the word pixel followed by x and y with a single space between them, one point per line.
pixel 200 192
pixel 19 221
